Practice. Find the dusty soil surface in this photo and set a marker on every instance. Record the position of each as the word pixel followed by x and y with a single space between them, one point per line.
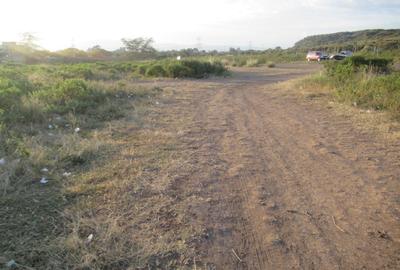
pixel 276 182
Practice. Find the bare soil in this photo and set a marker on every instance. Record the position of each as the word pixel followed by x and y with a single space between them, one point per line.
pixel 272 181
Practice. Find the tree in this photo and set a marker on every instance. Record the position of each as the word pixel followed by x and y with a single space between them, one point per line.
pixel 98 52
pixel 139 45
pixel 29 40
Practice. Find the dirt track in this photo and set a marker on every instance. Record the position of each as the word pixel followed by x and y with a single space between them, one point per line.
pixel 281 183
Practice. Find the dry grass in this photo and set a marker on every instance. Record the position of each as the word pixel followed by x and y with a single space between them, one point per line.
pixel 110 160
pixel 380 122
pixel 120 207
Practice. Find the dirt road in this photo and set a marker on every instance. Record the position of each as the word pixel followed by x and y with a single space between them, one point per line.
pixel 280 183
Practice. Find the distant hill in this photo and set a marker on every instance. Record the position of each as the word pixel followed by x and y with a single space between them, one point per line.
pixel 366 40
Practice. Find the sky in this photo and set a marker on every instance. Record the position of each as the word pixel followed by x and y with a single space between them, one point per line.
pixel 208 24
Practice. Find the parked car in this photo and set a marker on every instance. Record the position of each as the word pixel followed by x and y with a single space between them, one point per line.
pixel 316 56
pixel 346 53
pixel 341 55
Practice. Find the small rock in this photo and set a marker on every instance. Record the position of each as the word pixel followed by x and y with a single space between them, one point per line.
pixel 2 161
pixel 66 174
pixel 77 130
pixel 157 103
pixel 11 264
pixel 44 180
pixel 45 170
pixel 355 104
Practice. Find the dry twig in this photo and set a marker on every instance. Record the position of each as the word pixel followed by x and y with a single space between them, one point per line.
pixel 234 253
pixel 334 223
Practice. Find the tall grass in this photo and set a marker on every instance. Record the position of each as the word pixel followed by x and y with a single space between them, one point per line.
pixel 365 82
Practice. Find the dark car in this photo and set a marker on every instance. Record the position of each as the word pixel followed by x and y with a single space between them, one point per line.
pixel 342 55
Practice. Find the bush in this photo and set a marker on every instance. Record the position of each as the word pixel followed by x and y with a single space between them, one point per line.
pixel 239 62
pixel 182 69
pixel 270 64
pixel 141 69
pixel 69 95
pixel 360 80
pixel 82 71
pixel 344 69
pixel 177 70
pixel 377 64
pixel 156 70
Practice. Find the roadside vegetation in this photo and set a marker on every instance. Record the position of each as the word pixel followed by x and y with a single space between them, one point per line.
pixel 367 82
pixel 57 145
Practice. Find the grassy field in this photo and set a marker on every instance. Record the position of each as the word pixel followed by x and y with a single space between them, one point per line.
pixel 73 137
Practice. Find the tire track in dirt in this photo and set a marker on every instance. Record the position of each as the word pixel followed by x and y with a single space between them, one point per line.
pixel 285 184
pixel 302 165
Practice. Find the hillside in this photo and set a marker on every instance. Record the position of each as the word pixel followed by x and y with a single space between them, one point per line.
pixel 366 40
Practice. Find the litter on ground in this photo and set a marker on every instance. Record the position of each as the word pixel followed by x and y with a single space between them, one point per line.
pixel 11 264
pixel 44 180
pixel 89 238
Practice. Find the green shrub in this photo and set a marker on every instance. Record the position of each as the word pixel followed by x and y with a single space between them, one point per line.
pixel 156 70
pixel 377 64
pixel 239 62
pixel 359 80
pixel 202 69
pixel 344 69
pixel 341 72
pixel 69 95
pixel 177 70
pixel 141 69
pixel 251 62
pixel 83 71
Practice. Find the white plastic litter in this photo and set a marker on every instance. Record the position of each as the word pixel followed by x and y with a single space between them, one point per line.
pixel 66 174
pixel 44 180
pixel 178 57
pixel 44 170
pixel 11 264
pixel 2 161
pixel 157 103
pixel 50 126
pixel 89 238
pixel 77 130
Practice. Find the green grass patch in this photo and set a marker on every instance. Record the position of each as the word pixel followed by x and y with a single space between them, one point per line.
pixel 361 81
